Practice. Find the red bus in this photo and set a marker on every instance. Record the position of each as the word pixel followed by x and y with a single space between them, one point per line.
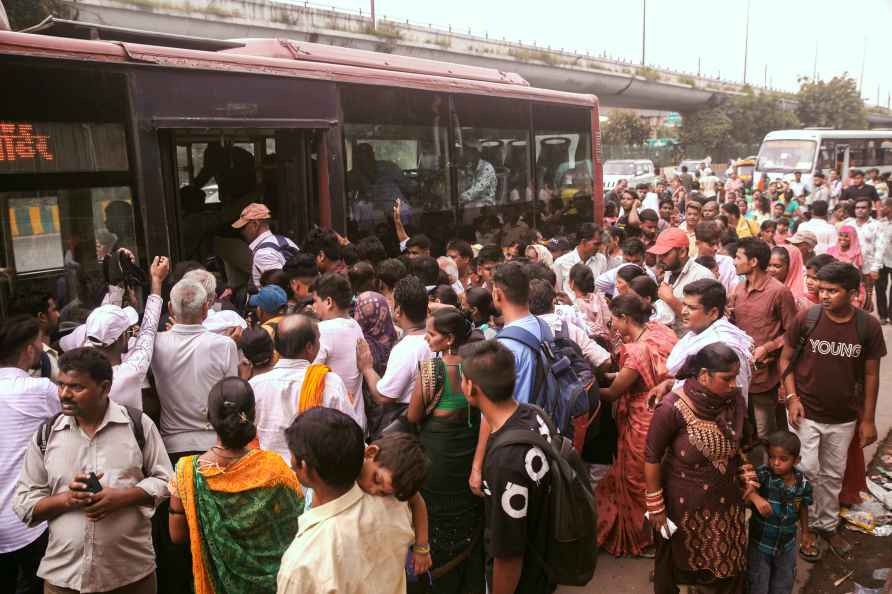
pixel 113 137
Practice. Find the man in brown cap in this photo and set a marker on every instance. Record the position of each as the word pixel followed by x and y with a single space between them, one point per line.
pixel 268 251
pixel 672 250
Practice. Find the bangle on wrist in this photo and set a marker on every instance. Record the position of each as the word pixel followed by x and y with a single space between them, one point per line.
pixel 790 396
pixel 421 549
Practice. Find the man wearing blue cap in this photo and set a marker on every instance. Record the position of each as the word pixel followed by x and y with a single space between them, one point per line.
pixel 270 304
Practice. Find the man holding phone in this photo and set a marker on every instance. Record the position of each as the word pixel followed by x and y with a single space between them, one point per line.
pixel 96 483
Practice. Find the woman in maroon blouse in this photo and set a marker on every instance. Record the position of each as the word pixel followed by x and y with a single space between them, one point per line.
pixel 696 479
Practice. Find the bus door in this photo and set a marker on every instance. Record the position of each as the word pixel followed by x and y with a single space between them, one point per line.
pixel 843 154
pixel 217 172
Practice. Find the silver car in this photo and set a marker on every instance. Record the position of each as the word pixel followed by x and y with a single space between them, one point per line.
pixel 635 171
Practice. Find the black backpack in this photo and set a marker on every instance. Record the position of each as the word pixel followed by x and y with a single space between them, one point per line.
pixel 562 378
pixel 571 551
pixel 281 245
pixel 46 429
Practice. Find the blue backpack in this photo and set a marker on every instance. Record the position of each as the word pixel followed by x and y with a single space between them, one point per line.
pixel 558 385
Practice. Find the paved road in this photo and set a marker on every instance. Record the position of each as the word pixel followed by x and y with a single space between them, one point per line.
pixel 632 576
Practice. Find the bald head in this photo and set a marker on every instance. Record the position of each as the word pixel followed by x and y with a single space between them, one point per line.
pixel 297 337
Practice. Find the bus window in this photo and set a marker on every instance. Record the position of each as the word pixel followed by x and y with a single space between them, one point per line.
pixel 786 156
pixel 884 153
pixel 564 159
pixel 492 153
pixel 395 146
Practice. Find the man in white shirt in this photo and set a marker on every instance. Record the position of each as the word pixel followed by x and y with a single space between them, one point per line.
pixel 280 393
pixel 25 402
pixel 820 191
pixel 672 250
pixel 107 329
pixel 338 335
pixel 883 257
pixel 707 234
pixel 542 305
pixel 824 232
pixel 797 185
pixel 398 381
pixel 588 251
pixel 188 361
pixel 708 183
pixel 269 251
pixel 869 235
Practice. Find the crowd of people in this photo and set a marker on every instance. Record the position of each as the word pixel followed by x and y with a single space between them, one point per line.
pixel 335 426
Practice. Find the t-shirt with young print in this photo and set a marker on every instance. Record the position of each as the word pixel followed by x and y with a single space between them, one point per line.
pixel 516 480
pixel 830 364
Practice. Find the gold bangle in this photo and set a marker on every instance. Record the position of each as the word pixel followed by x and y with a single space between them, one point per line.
pixel 421 549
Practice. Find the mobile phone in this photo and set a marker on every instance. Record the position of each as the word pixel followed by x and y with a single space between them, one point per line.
pixel 92 483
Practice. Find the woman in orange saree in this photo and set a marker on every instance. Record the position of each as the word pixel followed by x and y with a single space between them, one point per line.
pixel 642 361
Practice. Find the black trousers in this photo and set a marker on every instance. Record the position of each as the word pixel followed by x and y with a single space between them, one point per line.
pixel 174 560
pixel 882 297
pixel 18 569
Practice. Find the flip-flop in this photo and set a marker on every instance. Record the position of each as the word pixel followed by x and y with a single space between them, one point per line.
pixel 841 549
pixel 811 557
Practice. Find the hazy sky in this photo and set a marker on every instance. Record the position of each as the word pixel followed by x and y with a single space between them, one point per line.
pixel 783 33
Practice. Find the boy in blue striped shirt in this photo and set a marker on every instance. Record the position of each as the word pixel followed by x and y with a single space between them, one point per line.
pixel 780 503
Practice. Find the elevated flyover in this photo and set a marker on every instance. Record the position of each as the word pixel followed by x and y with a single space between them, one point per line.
pixel 615 82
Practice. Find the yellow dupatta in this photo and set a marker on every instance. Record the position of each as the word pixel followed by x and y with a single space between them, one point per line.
pixel 313 387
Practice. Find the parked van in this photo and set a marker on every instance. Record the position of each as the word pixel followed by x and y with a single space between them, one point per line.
pixel 635 171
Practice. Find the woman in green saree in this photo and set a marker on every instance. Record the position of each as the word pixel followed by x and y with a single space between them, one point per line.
pixel 237 505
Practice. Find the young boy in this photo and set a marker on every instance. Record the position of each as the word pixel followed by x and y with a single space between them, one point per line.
pixel 781 502
pixel 395 465
pixel 516 478
pixel 349 541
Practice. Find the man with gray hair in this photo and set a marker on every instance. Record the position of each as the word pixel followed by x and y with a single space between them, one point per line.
pixel 188 361
pixel 294 385
pixel 208 281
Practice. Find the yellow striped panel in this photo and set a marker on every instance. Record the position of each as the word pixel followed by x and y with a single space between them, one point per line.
pixel 36 222
pixel 54 211
pixel 13 224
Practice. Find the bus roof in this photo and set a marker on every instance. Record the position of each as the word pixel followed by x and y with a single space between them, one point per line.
pixel 282 57
pixel 819 133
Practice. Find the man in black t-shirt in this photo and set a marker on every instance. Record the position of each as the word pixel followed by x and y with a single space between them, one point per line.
pixel 821 394
pixel 516 478
pixel 859 189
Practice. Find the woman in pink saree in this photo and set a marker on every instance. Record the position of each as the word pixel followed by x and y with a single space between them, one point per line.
pixel 642 360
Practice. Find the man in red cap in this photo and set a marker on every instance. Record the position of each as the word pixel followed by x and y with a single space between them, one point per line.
pixel 672 250
pixel 268 251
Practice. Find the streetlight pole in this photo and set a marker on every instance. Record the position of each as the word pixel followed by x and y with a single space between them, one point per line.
pixel 643 27
pixel 746 43
pixel 863 59
pixel 373 14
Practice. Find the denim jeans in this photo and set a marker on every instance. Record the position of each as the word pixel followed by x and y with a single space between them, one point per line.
pixel 771 575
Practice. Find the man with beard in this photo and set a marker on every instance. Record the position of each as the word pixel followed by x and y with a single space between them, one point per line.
pixel 672 248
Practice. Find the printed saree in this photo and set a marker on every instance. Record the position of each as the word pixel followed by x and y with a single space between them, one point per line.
pixel 241 519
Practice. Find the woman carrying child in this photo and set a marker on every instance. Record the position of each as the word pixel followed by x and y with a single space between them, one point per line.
pixel 449 431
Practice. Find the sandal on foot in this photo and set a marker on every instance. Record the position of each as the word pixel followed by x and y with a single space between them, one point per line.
pixel 839 545
pixel 811 553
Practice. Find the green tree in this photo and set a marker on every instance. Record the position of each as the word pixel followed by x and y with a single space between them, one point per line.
pixel 25 13
pixel 755 115
pixel 624 128
pixel 708 129
pixel 835 103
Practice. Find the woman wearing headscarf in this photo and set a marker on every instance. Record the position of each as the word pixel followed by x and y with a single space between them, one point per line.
pixel 622 529
pixel 237 506
pixel 787 267
pixel 848 249
pixel 372 313
pixel 537 252
pixel 449 433
pixel 697 479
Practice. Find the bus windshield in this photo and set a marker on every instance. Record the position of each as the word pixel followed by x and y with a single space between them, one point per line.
pixel 787 156
pixel 619 168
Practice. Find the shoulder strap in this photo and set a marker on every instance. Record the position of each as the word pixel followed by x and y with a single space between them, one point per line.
pixel 278 243
pixel 44 432
pixel 812 317
pixel 524 337
pixel 532 438
pixel 136 422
